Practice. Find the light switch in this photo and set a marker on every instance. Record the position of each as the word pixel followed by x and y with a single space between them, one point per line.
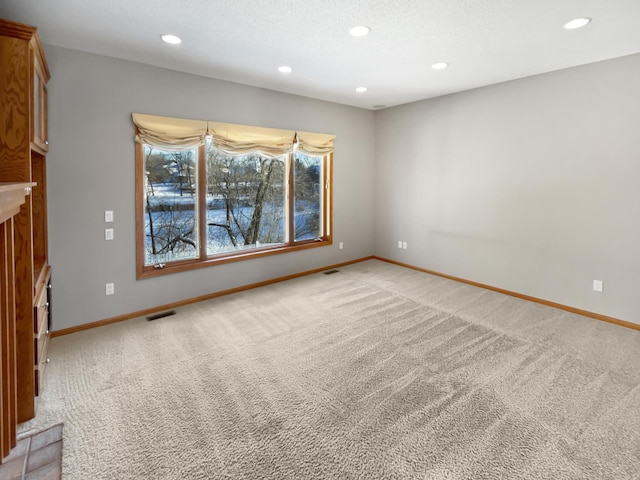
pixel 598 285
pixel 108 215
pixel 108 233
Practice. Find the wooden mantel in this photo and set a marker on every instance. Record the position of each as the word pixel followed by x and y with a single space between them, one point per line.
pixel 12 195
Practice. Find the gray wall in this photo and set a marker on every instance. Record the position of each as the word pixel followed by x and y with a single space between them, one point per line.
pixel 90 169
pixel 531 185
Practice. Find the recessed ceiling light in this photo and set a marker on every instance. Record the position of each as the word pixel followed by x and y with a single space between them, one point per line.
pixel 439 65
pixel 359 31
pixel 361 89
pixel 285 69
pixel 172 39
pixel 577 23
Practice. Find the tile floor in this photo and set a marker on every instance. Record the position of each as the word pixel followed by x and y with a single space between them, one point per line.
pixel 38 457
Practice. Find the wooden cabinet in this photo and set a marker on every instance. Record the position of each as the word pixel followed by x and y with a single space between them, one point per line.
pixel 23 148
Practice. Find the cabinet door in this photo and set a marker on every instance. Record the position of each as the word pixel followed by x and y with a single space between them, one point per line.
pixel 39 107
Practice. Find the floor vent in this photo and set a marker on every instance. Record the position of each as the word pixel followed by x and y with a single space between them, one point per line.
pixel 331 272
pixel 161 315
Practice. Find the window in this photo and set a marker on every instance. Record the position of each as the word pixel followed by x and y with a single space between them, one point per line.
pixel 170 205
pixel 210 193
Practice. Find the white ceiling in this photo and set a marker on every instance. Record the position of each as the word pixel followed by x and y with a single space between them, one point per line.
pixel 244 41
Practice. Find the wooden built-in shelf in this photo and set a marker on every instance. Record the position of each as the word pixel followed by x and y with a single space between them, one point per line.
pixel 25 273
pixel 12 196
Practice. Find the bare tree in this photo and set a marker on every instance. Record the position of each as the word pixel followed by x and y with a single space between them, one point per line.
pixel 170 225
pixel 307 191
pixel 249 186
pixel 149 192
pixel 184 164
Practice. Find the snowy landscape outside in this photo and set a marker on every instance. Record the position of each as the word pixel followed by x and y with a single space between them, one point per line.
pixel 246 202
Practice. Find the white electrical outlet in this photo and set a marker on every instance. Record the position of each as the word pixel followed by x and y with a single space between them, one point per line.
pixel 108 233
pixel 341 246
pixel 399 243
pixel 404 245
pixel 598 285
pixel 108 216
pixel 109 289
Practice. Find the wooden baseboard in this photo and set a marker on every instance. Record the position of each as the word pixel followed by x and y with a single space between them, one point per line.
pixel 181 303
pixel 597 316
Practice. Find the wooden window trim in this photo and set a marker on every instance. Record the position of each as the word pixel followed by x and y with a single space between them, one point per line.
pixel 148 271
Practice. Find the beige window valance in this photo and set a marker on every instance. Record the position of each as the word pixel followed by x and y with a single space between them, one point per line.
pixel 243 139
pixel 169 133
pixel 178 133
pixel 315 143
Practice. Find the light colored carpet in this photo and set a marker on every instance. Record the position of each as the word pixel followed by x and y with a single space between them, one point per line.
pixel 375 372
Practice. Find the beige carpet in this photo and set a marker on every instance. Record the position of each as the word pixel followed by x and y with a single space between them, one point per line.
pixel 375 372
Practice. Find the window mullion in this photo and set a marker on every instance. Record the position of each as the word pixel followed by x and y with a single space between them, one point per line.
pixel 290 199
pixel 202 201
pixel 327 217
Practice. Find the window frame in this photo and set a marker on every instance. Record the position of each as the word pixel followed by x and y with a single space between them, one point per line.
pixel 205 260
